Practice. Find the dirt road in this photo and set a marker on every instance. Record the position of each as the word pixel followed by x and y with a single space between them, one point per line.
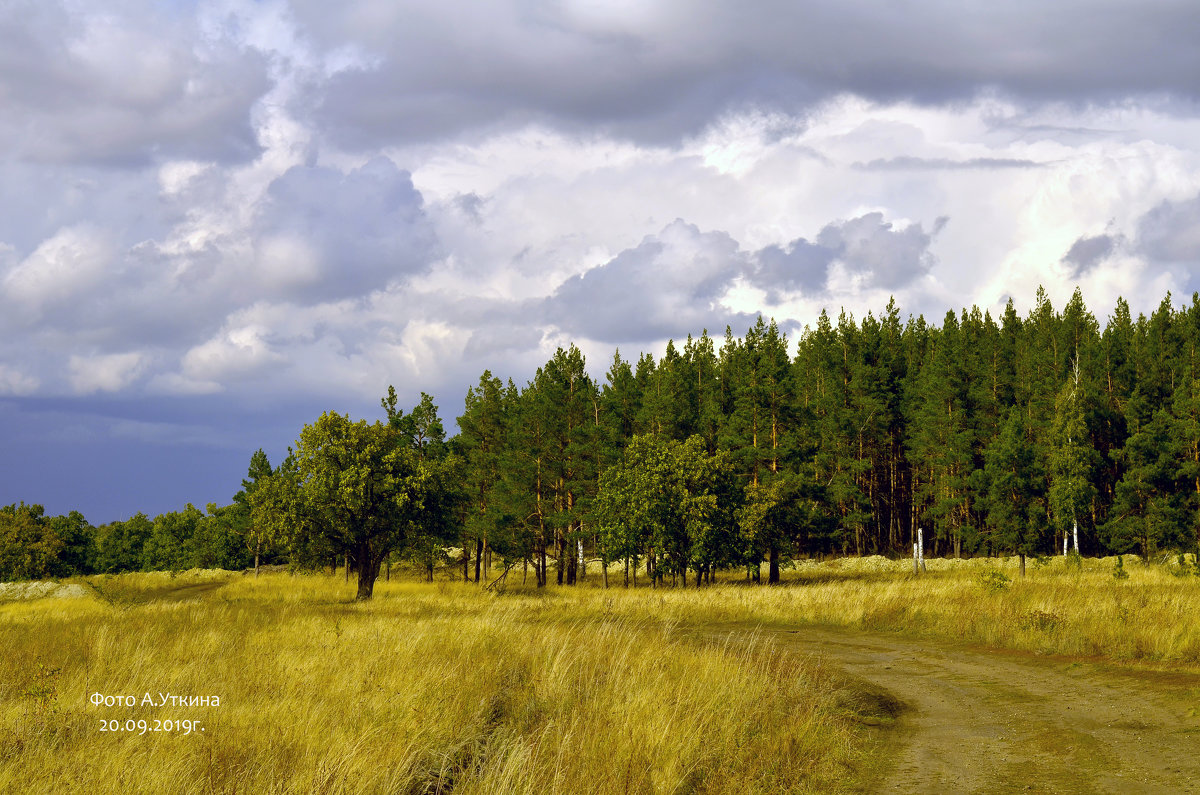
pixel 978 720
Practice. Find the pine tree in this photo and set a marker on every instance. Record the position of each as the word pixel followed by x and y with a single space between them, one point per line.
pixel 1147 508
pixel 256 537
pixel 703 390
pixel 664 409
pixel 1012 498
pixel 620 404
pixel 567 402
pixel 940 438
pixel 480 443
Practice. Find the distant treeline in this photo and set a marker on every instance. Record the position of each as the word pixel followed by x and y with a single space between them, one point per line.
pixel 993 435
pixel 36 546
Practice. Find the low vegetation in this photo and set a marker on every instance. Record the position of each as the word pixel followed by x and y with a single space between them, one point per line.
pixel 450 687
pixel 427 688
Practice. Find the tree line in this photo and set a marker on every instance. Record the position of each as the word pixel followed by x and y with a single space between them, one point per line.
pixel 1025 435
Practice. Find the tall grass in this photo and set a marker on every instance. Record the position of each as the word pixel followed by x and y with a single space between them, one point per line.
pixel 447 687
pixel 1062 606
pixel 424 689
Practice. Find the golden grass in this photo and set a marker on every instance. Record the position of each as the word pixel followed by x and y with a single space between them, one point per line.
pixel 447 687
pixel 1064 607
pixel 427 688
pixel 1059 607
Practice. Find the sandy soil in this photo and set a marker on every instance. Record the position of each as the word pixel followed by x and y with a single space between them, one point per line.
pixel 981 720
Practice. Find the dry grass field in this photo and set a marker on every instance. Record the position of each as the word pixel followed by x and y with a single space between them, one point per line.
pixel 424 689
pixel 447 688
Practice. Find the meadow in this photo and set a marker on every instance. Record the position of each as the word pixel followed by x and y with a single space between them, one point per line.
pixel 447 687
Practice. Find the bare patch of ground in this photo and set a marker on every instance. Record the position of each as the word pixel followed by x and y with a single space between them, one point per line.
pixel 40 589
pixel 982 720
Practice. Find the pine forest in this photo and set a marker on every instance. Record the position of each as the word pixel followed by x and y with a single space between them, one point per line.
pixel 1031 435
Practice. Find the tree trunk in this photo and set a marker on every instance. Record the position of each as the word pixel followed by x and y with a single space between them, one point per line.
pixel 558 554
pixel 572 561
pixel 773 570
pixel 368 571
pixel 1022 564
pixel 347 562
pixel 257 548
pixel 478 557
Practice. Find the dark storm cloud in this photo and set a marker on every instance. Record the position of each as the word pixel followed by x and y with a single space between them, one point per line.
pixel 662 71
pixel 365 228
pixel 1087 252
pixel 111 457
pixel 126 86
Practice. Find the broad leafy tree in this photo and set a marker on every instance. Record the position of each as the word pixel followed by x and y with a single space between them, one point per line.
pixel 361 490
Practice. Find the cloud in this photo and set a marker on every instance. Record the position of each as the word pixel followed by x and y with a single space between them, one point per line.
pixel 15 382
pixel 682 280
pixel 232 355
pixel 72 262
pixel 870 246
pixel 662 72
pixel 127 83
pixel 907 163
pixel 1086 252
pixel 867 248
pixel 105 373
pixel 1170 233
pixel 670 284
pixel 327 234
pixel 799 266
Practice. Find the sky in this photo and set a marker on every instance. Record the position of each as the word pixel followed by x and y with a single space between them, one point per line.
pixel 220 219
